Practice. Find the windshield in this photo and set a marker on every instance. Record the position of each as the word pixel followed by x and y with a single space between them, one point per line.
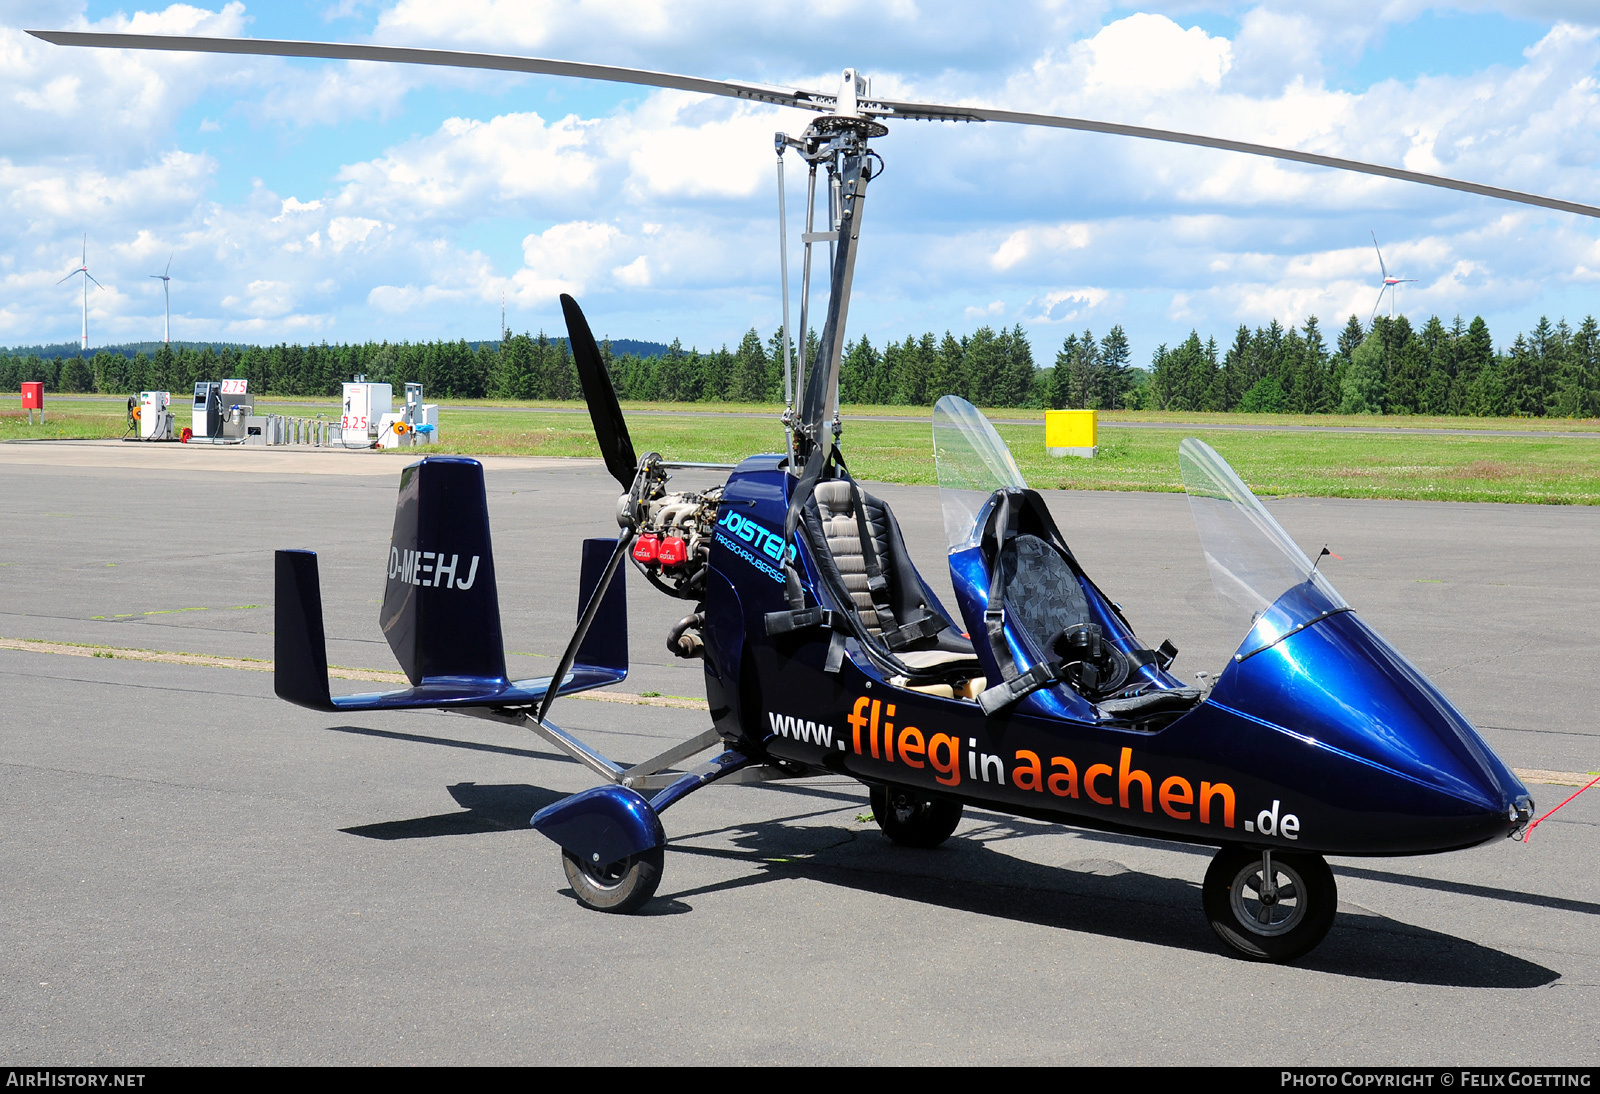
pixel 1252 560
pixel 973 463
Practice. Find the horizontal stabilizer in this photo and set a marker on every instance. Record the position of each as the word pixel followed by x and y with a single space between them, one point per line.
pixel 301 672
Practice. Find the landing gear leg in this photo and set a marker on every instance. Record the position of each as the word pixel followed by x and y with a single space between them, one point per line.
pixel 1269 905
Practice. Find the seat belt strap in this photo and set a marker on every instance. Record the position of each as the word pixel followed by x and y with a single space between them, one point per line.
pixel 918 629
pixel 1002 695
pixel 994 616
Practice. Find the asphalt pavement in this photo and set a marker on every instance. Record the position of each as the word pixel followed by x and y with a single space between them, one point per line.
pixel 197 872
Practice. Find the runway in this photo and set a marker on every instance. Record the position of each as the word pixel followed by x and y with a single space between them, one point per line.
pixel 197 872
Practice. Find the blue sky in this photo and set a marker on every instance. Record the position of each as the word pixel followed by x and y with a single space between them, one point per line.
pixel 323 200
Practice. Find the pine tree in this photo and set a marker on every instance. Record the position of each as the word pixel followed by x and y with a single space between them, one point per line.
pixel 949 373
pixel 1362 387
pixel 1114 369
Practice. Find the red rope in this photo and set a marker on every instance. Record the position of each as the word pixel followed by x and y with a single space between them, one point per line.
pixel 1529 833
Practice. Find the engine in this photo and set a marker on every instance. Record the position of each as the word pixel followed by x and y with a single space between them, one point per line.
pixel 673 545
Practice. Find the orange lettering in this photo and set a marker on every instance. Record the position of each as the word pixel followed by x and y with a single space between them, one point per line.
pixel 1064 784
pixel 911 745
pixel 950 770
pixel 888 735
pixel 1177 791
pixel 1220 790
pixel 1028 775
pixel 1089 777
pixel 858 721
pixel 1126 778
pixel 872 737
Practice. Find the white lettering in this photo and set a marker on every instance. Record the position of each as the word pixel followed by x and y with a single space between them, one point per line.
pixel 441 569
pixel 999 768
pixel 472 575
pixel 1267 820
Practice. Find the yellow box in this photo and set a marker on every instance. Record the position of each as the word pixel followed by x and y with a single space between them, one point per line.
pixel 1071 432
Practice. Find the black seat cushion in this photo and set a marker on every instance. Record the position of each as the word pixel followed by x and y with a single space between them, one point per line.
pixel 1042 590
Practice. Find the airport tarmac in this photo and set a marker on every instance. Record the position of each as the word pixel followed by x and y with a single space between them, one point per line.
pixel 197 872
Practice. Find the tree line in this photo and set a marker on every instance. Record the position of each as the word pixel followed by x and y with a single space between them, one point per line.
pixel 1387 367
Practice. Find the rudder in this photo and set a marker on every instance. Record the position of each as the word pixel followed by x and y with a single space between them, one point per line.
pixel 441 609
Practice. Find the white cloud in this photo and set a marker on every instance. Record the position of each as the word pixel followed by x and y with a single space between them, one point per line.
pixel 635 275
pixel 344 231
pixel 1066 305
pixel 1146 55
pixel 467 163
pixel 1025 243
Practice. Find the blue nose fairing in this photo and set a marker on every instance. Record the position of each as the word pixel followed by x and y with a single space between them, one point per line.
pixel 1316 672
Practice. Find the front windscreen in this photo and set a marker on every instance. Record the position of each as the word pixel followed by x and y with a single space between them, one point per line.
pixel 973 463
pixel 1252 560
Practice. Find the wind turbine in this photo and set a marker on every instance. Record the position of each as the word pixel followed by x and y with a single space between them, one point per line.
pixel 1389 283
pixel 166 288
pixel 83 268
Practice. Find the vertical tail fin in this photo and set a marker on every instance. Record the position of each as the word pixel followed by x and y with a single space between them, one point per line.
pixel 441 610
pixel 300 649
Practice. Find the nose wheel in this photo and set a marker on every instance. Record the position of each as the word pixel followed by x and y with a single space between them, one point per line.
pixel 622 886
pixel 1269 905
pixel 911 820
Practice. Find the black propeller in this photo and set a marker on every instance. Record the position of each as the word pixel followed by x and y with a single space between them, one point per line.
pixel 604 411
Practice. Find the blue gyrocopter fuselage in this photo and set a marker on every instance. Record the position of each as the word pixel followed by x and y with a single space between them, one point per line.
pixel 825 652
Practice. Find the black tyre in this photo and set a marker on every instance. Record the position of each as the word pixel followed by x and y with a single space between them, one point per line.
pixel 1265 925
pixel 620 887
pixel 911 820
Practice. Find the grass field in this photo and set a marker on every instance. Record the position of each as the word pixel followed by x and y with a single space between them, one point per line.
pixel 1444 467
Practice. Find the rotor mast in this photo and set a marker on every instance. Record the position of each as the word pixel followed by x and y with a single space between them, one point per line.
pixel 837 142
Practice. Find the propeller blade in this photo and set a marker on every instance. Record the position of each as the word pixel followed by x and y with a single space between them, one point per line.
pixel 609 427
pixel 1381 267
pixel 782 96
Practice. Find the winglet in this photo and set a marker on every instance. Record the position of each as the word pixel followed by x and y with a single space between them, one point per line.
pixel 605 647
pixel 300 648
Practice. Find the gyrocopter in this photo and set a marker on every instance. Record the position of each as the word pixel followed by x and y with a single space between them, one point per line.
pixel 826 653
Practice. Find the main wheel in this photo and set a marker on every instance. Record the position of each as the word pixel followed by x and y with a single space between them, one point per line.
pixel 620 887
pixel 1276 922
pixel 913 821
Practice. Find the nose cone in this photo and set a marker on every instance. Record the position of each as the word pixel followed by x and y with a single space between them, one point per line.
pixel 1369 711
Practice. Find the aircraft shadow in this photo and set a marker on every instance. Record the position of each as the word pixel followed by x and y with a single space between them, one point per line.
pixel 493 808
pixel 1095 896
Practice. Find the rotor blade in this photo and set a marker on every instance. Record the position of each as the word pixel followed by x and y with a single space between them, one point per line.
pixel 68 277
pixel 609 427
pixel 168 270
pixel 782 96
pixel 449 58
pixel 1377 304
pixel 936 112
pixel 1381 267
pixel 90 276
